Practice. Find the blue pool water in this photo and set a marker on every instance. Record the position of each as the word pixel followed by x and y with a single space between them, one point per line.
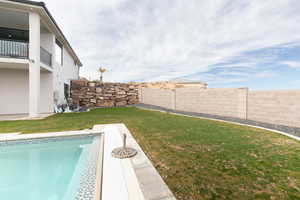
pixel 43 169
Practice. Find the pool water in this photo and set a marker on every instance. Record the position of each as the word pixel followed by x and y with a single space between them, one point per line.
pixel 45 169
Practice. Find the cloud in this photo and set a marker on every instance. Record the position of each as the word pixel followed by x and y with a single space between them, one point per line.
pixel 295 82
pixel 265 74
pixel 159 40
pixel 292 64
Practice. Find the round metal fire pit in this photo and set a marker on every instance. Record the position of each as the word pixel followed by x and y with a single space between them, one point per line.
pixel 123 152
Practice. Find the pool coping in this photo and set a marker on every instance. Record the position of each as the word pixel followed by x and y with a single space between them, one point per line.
pixel 19 136
pixel 12 137
pixel 99 174
pixel 149 180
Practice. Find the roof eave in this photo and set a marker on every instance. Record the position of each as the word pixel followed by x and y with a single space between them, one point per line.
pixel 44 8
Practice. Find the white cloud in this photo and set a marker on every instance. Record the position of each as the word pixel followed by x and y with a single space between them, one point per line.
pixel 292 64
pixel 222 78
pixel 154 39
pixel 265 74
pixel 296 83
pixel 240 77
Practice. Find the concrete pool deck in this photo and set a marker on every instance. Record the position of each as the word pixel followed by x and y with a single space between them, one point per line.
pixel 142 180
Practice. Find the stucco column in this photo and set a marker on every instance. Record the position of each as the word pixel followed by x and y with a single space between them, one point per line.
pixel 55 72
pixel 34 64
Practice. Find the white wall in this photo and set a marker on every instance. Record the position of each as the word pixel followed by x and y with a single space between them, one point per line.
pixel 70 70
pixel 14 83
pixel 64 74
pixel 14 91
pixel 46 40
pixel 46 91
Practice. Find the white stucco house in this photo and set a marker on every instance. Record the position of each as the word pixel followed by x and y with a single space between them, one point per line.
pixel 36 60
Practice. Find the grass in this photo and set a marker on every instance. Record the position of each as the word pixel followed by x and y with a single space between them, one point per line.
pixel 198 159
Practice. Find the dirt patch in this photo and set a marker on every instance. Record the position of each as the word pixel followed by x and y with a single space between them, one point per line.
pixel 177 147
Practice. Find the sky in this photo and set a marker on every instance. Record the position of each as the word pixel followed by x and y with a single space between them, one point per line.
pixel 226 43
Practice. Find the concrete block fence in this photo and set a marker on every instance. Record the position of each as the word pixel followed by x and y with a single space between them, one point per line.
pixel 274 107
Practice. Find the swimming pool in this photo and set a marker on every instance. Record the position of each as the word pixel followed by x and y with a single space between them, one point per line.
pixel 56 168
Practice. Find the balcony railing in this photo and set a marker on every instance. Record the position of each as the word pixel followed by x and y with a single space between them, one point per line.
pixel 13 49
pixel 46 57
pixel 17 49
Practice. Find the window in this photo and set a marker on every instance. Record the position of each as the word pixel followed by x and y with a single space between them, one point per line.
pixel 14 34
pixel 59 52
pixel 66 91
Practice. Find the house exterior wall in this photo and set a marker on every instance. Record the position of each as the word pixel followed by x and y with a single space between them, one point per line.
pixel 63 75
pixel 14 87
pixel 70 70
pixel 46 91
pixel 49 82
pixel 34 64
pixel 46 40
pixel 42 80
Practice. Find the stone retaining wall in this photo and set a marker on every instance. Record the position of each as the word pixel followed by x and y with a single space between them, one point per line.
pixel 95 94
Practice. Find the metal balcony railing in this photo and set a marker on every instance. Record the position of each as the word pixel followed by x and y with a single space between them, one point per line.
pixel 18 49
pixel 13 49
pixel 46 57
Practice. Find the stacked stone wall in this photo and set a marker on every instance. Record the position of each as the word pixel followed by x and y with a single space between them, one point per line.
pixel 96 94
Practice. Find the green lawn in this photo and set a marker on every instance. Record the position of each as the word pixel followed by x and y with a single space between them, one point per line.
pixel 198 159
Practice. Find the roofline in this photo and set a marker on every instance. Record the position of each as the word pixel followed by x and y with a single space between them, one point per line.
pixel 43 5
pixel 34 3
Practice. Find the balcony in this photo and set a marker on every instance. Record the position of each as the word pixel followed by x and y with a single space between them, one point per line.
pixel 13 49
pixel 20 50
pixel 46 57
